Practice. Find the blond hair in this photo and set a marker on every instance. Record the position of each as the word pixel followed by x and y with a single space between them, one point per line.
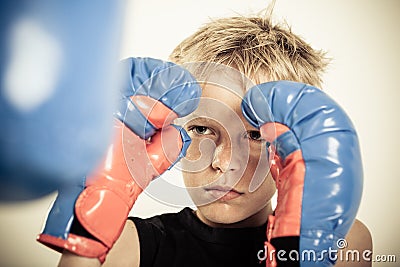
pixel 254 46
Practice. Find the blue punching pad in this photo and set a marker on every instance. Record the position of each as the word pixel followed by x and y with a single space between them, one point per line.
pixel 58 84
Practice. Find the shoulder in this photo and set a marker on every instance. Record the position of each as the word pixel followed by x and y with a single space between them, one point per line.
pixel 157 236
pixel 358 240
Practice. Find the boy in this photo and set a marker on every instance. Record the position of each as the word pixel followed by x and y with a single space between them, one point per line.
pixel 226 167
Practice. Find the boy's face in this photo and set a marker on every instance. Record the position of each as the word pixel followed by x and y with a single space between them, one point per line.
pixel 226 168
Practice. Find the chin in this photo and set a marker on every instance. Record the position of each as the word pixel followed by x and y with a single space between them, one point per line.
pixel 223 213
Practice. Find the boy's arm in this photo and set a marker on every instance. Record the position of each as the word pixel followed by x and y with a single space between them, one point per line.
pixel 125 252
pixel 71 259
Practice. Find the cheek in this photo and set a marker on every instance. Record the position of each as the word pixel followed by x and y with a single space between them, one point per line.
pixel 261 197
pixel 196 164
pixel 198 156
pixel 266 190
pixel 258 177
pixel 192 180
pixel 195 183
pixel 257 168
pixel 193 151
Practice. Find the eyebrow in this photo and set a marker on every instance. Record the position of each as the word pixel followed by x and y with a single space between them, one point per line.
pixel 200 118
pixel 204 120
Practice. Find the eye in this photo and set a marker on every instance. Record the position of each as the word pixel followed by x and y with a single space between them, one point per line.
pixel 200 130
pixel 254 135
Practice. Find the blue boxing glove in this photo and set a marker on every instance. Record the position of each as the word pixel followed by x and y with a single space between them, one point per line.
pixel 57 91
pixel 316 164
pixel 88 218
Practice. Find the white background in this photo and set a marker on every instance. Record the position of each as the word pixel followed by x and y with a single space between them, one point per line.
pixel 363 40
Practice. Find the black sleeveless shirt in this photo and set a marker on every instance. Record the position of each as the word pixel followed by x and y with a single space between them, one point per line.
pixel 181 239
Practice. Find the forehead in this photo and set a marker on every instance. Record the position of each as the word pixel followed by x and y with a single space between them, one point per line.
pixel 216 98
pixel 221 75
pixel 222 83
pixel 223 88
pixel 221 105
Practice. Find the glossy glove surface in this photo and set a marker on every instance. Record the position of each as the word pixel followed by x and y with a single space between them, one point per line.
pixel 101 203
pixel 315 161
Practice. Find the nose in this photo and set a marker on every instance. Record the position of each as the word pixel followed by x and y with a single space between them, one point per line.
pixel 226 158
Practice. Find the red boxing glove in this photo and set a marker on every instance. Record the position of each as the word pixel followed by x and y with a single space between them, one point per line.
pixel 88 218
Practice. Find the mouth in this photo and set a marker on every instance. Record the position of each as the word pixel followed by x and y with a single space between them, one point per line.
pixel 223 193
